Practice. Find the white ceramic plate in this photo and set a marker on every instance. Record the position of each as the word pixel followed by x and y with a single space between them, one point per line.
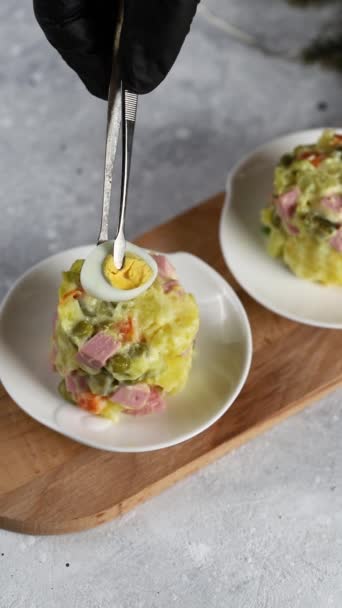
pixel 220 368
pixel 267 280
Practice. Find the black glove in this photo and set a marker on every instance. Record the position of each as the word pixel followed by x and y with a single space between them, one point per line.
pixel 83 32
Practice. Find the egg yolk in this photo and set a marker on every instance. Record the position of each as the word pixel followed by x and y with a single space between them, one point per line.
pixel 135 272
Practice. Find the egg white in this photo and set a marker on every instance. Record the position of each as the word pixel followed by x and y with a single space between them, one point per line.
pixel 96 285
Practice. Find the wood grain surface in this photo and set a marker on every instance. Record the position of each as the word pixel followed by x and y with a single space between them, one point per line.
pixel 50 484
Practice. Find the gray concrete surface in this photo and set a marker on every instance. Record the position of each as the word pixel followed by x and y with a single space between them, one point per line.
pixel 262 527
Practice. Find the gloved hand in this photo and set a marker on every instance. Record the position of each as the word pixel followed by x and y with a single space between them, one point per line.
pixel 152 35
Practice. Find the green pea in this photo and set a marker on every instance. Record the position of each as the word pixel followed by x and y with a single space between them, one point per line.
pixel 119 364
pixel 83 330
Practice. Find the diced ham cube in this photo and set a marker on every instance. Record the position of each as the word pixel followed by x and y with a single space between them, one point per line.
pixel 291 229
pixel 287 202
pixel 286 206
pixel 95 352
pixel 76 384
pixel 336 240
pixel 171 285
pixel 155 403
pixel 165 269
pixel 132 397
pixel 331 206
pixel 333 202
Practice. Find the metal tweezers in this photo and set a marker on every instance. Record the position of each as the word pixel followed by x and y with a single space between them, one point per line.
pixel 122 108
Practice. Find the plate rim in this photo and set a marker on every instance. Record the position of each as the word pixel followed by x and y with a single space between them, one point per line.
pixel 245 370
pixel 231 174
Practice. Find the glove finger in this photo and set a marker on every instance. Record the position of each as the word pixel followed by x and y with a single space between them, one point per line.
pixel 152 36
pixel 82 31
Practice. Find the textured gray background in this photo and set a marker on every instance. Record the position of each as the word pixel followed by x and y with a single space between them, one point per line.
pixel 262 527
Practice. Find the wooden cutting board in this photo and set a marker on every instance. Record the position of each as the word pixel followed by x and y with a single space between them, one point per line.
pixel 50 484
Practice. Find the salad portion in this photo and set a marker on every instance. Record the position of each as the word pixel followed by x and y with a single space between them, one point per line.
pixel 303 222
pixel 124 358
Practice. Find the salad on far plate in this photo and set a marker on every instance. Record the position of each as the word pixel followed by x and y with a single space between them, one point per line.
pixel 303 222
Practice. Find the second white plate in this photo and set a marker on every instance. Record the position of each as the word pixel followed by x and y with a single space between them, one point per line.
pixel 267 280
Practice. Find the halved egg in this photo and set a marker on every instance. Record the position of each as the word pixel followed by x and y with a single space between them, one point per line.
pixel 94 282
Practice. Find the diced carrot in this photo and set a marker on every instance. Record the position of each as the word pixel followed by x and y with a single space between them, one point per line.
pixel 318 160
pixel 75 293
pixel 126 328
pixel 305 155
pixel 313 158
pixel 91 403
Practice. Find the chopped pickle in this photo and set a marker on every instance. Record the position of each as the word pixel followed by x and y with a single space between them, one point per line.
pixel 64 393
pixel 101 384
pixel 105 309
pixel 286 160
pixel 103 326
pixel 266 230
pixel 77 266
pixel 88 305
pixel 137 350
